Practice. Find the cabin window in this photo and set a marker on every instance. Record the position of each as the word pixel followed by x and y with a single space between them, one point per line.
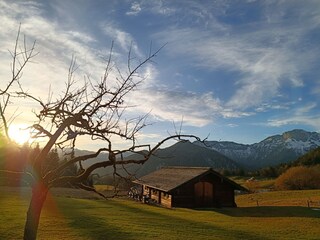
pixel 166 195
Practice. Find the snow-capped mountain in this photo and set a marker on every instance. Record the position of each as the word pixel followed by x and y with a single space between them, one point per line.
pixel 271 151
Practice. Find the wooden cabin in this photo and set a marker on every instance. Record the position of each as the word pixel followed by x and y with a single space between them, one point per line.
pixel 189 187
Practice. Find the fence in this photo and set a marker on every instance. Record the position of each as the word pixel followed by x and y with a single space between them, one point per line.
pixel 313 204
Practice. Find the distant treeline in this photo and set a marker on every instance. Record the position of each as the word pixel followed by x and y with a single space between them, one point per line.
pixel 17 161
pixel 309 159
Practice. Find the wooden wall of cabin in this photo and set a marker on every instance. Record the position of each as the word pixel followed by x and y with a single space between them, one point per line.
pixel 184 196
pixel 222 193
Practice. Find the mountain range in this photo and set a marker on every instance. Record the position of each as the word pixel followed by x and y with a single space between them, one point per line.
pixel 183 153
pixel 219 155
pixel 271 151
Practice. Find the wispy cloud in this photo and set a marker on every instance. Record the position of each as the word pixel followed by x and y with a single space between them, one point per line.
pixel 302 115
pixel 195 109
pixel 49 70
pixel 56 46
pixel 158 7
pixel 265 59
pixel 313 121
pixel 232 125
pixel 264 69
pixel 274 105
pixel 124 39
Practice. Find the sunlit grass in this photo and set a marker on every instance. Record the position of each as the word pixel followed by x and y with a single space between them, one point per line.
pixel 68 218
pixel 280 198
pixel 257 184
pixel 104 187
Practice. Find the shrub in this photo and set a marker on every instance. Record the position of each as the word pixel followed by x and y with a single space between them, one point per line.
pixel 298 178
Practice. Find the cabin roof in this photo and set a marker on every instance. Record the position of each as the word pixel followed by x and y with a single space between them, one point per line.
pixel 170 178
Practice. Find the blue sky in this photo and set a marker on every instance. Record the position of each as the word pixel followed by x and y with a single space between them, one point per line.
pixel 237 70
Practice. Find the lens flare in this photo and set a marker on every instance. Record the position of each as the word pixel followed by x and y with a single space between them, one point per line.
pixel 19 133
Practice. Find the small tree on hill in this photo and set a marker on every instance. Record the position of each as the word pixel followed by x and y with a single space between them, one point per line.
pixel 94 110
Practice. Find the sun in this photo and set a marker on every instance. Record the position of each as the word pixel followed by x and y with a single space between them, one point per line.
pixel 19 133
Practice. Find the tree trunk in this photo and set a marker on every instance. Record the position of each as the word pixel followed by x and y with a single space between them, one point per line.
pixel 39 194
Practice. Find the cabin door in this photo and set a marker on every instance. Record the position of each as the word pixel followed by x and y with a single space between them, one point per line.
pixel 203 194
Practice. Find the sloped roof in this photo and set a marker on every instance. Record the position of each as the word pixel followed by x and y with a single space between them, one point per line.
pixel 169 178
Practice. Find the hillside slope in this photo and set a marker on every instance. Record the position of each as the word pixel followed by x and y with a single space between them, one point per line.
pixel 184 154
pixel 309 159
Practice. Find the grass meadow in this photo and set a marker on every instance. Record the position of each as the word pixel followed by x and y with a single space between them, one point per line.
pixel 280 215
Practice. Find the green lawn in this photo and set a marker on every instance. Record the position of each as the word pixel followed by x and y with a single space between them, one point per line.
pixel 74 218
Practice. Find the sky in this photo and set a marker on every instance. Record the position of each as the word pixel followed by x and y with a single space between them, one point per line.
pixel 230 70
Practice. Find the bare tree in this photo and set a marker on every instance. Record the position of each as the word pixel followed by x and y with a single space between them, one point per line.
pixel 95 110
pixel 21 55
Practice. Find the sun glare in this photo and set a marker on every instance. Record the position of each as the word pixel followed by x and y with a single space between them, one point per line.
pixel 19 134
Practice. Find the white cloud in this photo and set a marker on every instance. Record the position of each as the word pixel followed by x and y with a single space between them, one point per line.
pixel 302 115
pixel 135 9
pixel 306 109
pixel 82 37
pixel 195 109
pixel 274 105
pixel 313 121
pixel 160 7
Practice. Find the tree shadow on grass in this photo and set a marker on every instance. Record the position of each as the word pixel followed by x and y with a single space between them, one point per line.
pixel 91 226
pixel 268 211
pixel 210 230
pixel 124 220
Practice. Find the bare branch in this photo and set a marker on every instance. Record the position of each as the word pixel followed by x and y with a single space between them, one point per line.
pixel 18 174
pixel 91 189
pixel 21 55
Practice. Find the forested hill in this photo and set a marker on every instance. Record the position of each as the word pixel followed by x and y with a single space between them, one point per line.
pixel 308 159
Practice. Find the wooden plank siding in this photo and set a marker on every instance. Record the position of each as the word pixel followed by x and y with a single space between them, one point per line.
pixel 205 191
pixel 184 196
